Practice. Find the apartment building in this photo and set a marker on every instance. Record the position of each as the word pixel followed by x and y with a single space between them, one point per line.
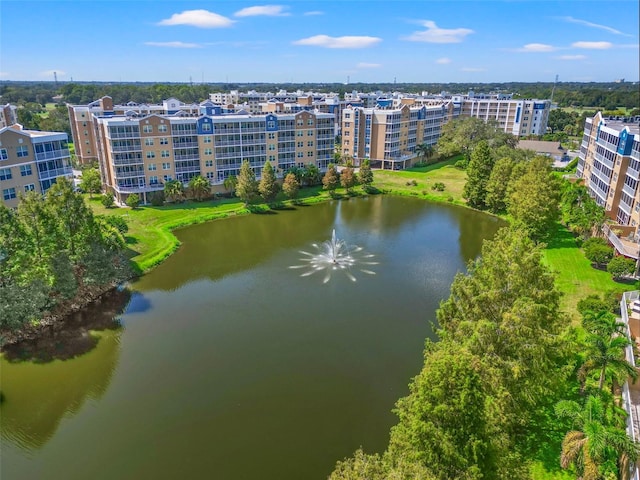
pixel 31 160
pixel 81 118
pixel 8 115
pixel 138 153
pixel 389 136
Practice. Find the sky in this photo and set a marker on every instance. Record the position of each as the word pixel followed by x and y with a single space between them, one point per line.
pixel 470 41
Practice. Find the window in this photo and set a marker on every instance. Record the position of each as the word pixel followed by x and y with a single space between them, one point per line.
pixel 9 193
pixel 151 154
pixel 309 133
pixel 25 170
pixel 153 179
pixel 148 142
pixel 164 140
pixel 164 154
pixel 271 124
pixel 272 158
pixel 147 128
pixel 29 188
pixel 208 163
pixel 3 154
pixel 347 115
pixel 206 127
pixel 5 174
pixel 347 124
pixel 162 128
pixel 300 123
pixel 300 154
pixel 210 175
pixel 272 136
pixel 310 122
pixel 310 143
pixel 167 178
pixel 347 133
pixel 299 133
pixel 272 146
pixel 207 139
pixel 152 167
pixel 309 154
pixel 208 151
pixel 22 151
pixel 300 144
pixel 166 166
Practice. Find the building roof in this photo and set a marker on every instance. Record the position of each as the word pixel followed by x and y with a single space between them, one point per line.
pixel 540 146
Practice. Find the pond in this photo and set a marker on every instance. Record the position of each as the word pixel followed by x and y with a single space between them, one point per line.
pixel 223 362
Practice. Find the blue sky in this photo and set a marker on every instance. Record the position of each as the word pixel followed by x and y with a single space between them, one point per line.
pixel 329 41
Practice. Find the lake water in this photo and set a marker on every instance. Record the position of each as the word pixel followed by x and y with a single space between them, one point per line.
pixel 225 363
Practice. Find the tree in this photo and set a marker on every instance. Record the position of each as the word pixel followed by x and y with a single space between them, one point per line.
pixel 107 200
pixel 247 186
pixel 478 173
pixel 71 213
pixel 268 186
pixel 594 446
pixel 497 185
pixel 199 188
pixel 312 175
pixel 461 136
pixel 597 251
pixel 425 151
pixel 291 186
pixel 330 181
pixel 133 200
pixel 605 355
pixel 365 176
pixel 533 202
pixel 620 266
pixel 230 183
pixel 91 182
pixel 348 178
pixel 174 190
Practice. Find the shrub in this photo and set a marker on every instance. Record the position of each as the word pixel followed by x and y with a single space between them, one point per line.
pixel 620 266
pixel 449 198
pixel 133 201
pixel 107 200
pixel 118 222
pixel 461 164
pixel 439 186
pixel 157 199
pixel 592 303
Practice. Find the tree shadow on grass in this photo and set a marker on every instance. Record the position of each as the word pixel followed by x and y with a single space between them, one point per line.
pixel 561 238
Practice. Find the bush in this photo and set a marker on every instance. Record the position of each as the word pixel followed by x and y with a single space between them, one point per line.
pixel 133 201
pixel 118 222
pixel 620 266
pixel 157 199
pixel 439 186
pixel 461 164
pixel 107 200
pixel 411 183
pixel 592 303
pixel 449 198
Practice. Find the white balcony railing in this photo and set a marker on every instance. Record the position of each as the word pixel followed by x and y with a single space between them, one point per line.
pixel 621 248
pixel 62 153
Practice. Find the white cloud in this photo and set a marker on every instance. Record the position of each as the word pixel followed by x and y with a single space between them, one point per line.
pixel 339 42
pixel 263 10
pixel 571 57
pixel 536 48
pixel 434 34
pixel 443 60
pixel 368 65
pixel 313 12
pixel 594 25
pixel 4 74
pixel 472 69
pixel 198 18
pixel 173 44
pixel 593 45
pixel 49 73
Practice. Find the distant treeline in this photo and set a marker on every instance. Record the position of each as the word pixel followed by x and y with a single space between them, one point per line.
pixel 604 95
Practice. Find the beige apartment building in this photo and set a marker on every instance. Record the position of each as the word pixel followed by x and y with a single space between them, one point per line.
pixel 389 137
pixel 8 115
pixel 609 164
pixel 31 160
pixel 137 153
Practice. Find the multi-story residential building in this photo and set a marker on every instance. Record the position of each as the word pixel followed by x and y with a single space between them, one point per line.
pixel 8 115
pixel 31 161
pixel 609 164
pixel 389 136
pixel 138 153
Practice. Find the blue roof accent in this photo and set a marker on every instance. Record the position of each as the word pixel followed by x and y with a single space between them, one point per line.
pixel 272 123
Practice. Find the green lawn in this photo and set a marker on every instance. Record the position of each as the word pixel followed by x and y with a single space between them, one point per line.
pixel 576 278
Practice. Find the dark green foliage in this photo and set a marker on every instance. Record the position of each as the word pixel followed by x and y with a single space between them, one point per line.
pixel 117 221
pixel 438 186
pixel 133 200
pixel 174 191
pixel 91 182
pixel 21 302
pixel 497 185
pixel 199 188
pixel 620 266
pixel 65 282
pixel 107 200
pixel 592 303
pixel 580 212
pixel 268 186
pixel 478 173
pixel 311 175
pixel 157 198
pixel 598 251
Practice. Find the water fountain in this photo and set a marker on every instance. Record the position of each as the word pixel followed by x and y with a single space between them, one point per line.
pixel 335 255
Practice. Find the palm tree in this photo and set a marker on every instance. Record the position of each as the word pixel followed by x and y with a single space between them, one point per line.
pixel 602 323
pixel 311 175
pixel 425 151
pixel 595 442
pixel 606 354
pixel 230 183
pixel 174 190
pixel 199 187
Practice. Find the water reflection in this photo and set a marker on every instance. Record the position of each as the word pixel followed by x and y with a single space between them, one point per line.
pixel 37 395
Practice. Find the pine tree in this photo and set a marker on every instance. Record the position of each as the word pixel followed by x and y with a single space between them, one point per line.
pixel 268 186
pixel 247 186
pixel 291 186
pixel 478 173
pixel 330 181
pixel 365 176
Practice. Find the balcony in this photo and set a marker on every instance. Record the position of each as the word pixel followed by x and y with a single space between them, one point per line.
pixel 183 158
pixel 184 145
pixel 127 148
pixel 62 153
pixel 57 172
pixel 188 169
pixel 624 246
pixel 128 161
pixel 629 190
